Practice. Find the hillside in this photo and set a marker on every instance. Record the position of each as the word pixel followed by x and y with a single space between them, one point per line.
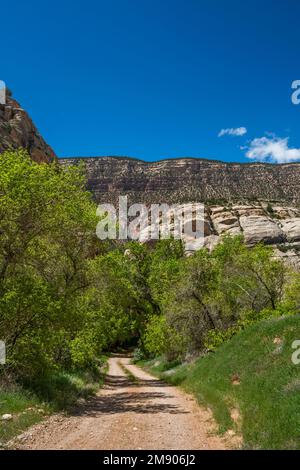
pixel 250 383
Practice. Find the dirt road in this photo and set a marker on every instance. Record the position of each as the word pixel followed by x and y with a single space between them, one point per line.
pixel 126 414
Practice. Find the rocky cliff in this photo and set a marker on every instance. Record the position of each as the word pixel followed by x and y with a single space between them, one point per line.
pixel 190 179
pixel 17 130
pixel 259 201
pixel 274 225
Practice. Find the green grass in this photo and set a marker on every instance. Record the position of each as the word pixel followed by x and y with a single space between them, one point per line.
pixel 63 389
pixel 25 408
pixel 30 403
pixel 267 395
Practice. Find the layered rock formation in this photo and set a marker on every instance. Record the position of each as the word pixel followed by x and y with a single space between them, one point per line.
pixel 189 179
pixel 17 130
pixel 278 226
pixel 259 201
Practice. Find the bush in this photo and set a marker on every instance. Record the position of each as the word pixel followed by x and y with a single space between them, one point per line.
pixel 138 355
pixel 216 338
pixel 161 339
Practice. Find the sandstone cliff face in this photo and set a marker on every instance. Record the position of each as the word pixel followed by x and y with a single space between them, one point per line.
pixel 17 130
pixel 237 196
pixel 276 225
pixel 187 179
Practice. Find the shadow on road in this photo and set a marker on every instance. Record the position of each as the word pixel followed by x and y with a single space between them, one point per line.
pixel 115 381
pixel 132 400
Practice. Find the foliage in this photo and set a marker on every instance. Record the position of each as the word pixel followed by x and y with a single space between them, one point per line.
pixel 206 298
pixel 138 355
pixel 65 296
pixel 161 338
pixel 47 225
pixel 215 338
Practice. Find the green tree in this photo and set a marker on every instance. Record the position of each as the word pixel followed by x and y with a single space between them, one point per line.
pixel 47 235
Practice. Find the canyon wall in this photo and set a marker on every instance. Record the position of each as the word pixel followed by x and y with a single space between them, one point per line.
pixel 17 130
pixel 189 179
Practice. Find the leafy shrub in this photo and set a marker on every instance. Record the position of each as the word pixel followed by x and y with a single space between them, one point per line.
pixel 138 355
pixel 161 339
pixel 215 338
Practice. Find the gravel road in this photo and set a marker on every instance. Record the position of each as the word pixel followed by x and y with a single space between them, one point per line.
pixel 144 413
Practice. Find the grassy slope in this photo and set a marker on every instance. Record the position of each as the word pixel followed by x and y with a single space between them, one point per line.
pixel 56 392
pixel 25 409
pixel 267 394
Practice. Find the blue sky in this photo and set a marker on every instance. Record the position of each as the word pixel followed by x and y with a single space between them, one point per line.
pixel 157 79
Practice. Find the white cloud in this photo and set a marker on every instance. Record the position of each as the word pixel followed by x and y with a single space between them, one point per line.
pixel 237 131
pixel 272 149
